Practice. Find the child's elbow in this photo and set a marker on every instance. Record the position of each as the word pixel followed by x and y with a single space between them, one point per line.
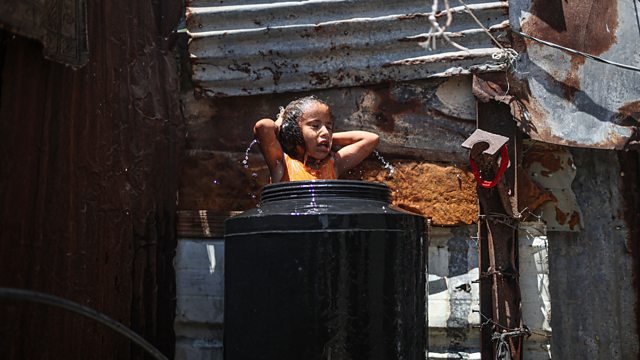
pixel 374 141
pixel 262 126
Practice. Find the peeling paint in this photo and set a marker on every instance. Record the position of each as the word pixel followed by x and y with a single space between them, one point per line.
pixel 569 99
pixel 631 110
pixel 551 168
pixel 588 26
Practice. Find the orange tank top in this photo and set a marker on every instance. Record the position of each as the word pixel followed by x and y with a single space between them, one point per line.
pixel 297 171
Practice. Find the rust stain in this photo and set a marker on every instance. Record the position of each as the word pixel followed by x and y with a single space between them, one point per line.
pixel 587 26
pixel 235 66
pixel 561 217
pixel 530 195
pixel 487 87
pixel 424 61
pixel 319 78
pixel 574 220
pixel 387 108
pixel 547 159
pixel 413 16
pixel 631 109
pixel 526 110
pixel 570 84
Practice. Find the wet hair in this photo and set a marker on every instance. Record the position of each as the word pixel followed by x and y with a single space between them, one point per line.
pixel 290 134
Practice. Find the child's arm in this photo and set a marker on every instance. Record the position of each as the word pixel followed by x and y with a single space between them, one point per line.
pixel 266 132
pixel 356 146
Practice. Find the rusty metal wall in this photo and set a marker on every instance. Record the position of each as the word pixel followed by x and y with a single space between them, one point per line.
pixel 60 25
pixel 572 100
pixel 88 179
pixel 593 273
pixel 421 125
pixel 257 47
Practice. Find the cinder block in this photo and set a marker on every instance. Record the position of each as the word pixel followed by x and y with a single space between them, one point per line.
pixel 199 282
pixel 200 309
pixel 200 254
pixel 194 349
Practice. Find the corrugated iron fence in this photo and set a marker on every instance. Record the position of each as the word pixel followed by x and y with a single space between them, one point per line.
pixel 88 178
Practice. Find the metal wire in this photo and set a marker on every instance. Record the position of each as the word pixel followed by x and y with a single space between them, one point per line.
pixel 38 297
pixel 576 52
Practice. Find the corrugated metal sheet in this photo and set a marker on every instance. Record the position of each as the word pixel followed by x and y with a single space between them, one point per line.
pixel 88 185
pixel 552 168
pixel 592 272
pixel 255 47
pixel 572 100
pixel 60 25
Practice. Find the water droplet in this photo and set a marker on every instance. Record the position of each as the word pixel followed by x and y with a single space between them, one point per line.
pixel 385 164
pixel 245 162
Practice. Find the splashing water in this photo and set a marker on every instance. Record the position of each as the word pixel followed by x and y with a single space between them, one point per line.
pixel 385 164
pixel 245 162
pixel 254 175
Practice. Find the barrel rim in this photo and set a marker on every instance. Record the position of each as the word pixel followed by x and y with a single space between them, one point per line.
pixel 319 190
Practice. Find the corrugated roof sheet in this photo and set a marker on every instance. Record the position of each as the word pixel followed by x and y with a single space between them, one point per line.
pixel 256 47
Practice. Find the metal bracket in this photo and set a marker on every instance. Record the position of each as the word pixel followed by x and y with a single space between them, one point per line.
pixel 494 141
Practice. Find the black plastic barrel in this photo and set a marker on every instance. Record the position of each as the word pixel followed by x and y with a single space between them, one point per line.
pixel 325 270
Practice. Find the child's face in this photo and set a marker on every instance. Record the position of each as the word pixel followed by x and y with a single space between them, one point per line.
pixel 317 130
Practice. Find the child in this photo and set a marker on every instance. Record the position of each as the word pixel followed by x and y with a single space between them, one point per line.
pixel 297 146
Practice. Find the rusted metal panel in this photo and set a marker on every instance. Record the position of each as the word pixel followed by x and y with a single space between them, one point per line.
pixel 630 174
pixel 552 168
pixel 421 123
pixel 60 25
pixel 246 48
pixel 593 272
pixel 426 119
pixel 88 186
pixel 569 99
